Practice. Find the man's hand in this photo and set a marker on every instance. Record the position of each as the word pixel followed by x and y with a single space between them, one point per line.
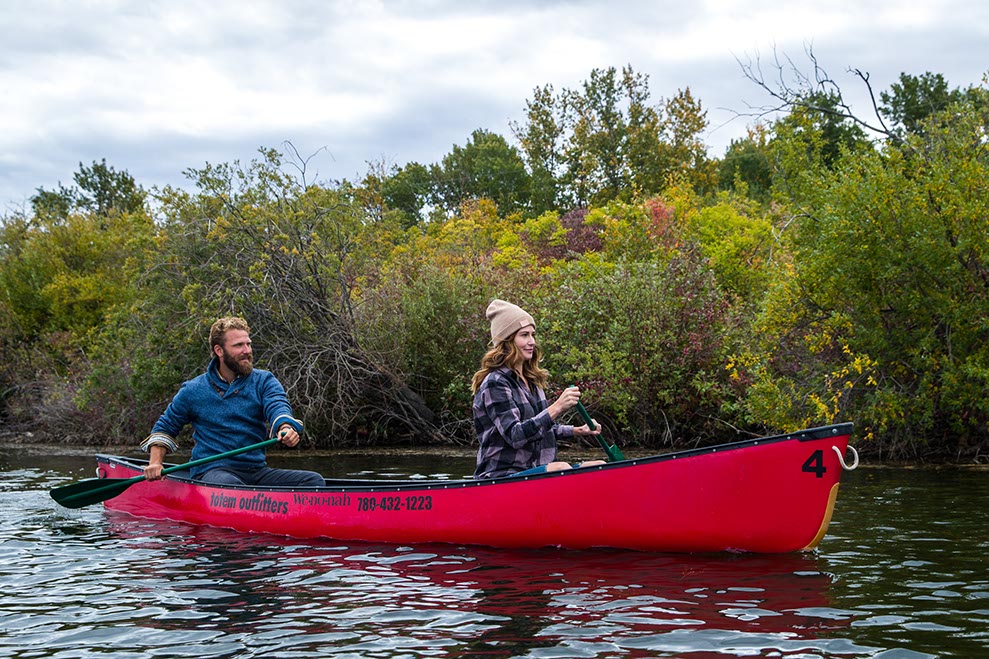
pixel 152 472
pixel 287 435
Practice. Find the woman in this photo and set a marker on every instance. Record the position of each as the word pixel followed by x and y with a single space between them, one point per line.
pixel 516 426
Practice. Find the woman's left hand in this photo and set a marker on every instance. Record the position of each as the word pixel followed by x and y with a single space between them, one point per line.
pixel 585 430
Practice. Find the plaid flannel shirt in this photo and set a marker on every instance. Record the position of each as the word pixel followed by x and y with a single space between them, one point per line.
pixel 513 426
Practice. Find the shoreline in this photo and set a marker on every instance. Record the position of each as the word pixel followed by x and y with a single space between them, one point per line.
pixel 40 448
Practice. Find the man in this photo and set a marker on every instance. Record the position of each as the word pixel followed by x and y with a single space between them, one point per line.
pixel 230 406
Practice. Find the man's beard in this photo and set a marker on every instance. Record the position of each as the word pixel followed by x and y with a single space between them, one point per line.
pixel 242 367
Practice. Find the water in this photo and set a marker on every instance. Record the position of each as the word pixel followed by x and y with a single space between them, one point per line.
pixel 901 574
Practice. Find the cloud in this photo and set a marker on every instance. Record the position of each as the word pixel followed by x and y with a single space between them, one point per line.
pixel 158 87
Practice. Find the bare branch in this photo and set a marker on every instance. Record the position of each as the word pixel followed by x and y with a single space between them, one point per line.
pixel 793 89
pixel 302 164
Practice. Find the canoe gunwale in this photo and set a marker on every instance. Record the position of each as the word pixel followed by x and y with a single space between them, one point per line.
pixel 381 485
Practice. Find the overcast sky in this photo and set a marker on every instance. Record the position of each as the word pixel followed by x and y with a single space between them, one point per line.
pixel 157 87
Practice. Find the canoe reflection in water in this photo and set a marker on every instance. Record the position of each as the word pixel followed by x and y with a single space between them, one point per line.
pixel 273 594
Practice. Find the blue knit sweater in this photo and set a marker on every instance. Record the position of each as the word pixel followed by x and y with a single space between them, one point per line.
pixel 225 416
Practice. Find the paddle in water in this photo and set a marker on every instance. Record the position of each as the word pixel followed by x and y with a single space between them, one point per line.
pixel 612 451
pixel 95 490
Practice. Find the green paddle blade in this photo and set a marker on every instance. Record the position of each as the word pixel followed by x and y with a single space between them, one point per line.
pixel 95 490
pixel 91 490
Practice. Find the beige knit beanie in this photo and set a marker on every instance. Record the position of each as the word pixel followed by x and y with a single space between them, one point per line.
pixel 506 319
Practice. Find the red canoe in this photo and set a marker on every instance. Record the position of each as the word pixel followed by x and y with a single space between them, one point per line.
pixel 771 495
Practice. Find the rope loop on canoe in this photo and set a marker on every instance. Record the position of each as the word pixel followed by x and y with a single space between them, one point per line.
pixel 841 458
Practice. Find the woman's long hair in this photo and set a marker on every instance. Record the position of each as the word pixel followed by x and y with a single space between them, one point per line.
pixel 506 353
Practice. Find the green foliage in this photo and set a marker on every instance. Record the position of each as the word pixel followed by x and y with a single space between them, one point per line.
pixel 99 189
pixel 647 341
pixel 427 330
pixel 746 163
pixel 628 232
pixel 831 279
pixel 541 141
pixel 913 99
pixel 408 190
pixel 486 168
pixel 66 274
pixel 103 190
pixel 884 318
pixel 606 142
pixel 686 158
pixel 737 240
pixel 818 128
pixel 546 231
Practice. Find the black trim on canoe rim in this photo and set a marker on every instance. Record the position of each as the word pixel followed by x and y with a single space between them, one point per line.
pixel 382 485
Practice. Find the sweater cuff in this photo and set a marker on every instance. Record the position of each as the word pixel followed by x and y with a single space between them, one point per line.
pixel 159 439
pixel 285 418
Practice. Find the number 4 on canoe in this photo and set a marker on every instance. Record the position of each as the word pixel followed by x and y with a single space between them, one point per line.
pixel 95 490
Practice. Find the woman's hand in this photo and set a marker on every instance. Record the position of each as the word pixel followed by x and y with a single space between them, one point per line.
pixel 585 430
pixel 567 400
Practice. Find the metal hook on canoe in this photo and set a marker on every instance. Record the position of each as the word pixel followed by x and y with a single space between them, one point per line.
pixel 841 458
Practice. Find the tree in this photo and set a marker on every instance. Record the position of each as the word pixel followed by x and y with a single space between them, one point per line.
pixel 62 267
pixel 65 272
pixel 913 99
pixel 486 167
pixel 817 97
pixel 291 259
pixel 646 152
pixel 746 162
pixel 880 314
pixel 597 165
pixel 104 189
pixel 820 124
pixel 606 141
pixel 99 189
pixel 408 191
pixel 683 124
pixel 541 141
pixel 54 204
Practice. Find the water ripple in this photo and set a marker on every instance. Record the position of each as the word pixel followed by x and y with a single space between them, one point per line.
pixel 899 575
